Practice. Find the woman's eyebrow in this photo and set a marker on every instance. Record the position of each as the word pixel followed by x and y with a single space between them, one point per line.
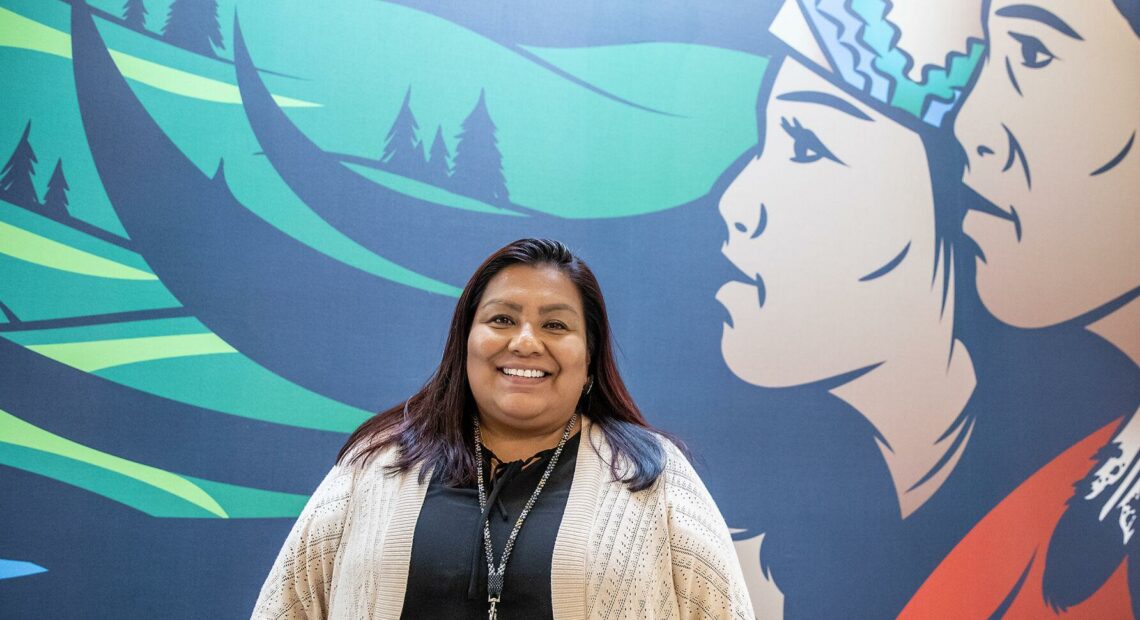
pixel 1038 14
pixel 502 302
pixel 831 101
pixel 556 307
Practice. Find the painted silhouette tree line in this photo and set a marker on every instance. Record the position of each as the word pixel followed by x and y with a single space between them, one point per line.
pixel 17 186
pixel 17 181
pixel 190 24
pixel 476 170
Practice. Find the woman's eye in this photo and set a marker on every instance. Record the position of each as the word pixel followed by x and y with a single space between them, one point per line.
pixel 806 144
pixel 556 325
pixel 1034 54
pixel 501 319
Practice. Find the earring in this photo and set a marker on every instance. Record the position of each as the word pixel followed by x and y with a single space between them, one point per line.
pixel 589 385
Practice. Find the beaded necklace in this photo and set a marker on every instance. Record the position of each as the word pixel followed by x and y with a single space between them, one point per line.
pixel 495 575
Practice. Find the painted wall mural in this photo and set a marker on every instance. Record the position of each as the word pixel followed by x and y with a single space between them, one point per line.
pixel 876 262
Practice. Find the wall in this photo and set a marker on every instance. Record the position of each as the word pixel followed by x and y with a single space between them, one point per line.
pixel 877 263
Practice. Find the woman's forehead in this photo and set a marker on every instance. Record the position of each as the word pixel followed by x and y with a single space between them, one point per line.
pixel 525 286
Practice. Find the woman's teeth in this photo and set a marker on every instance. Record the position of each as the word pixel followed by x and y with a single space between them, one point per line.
pixel 519 372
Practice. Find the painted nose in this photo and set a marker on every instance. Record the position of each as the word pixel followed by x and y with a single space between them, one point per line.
pixel 740 206
pixel 753 226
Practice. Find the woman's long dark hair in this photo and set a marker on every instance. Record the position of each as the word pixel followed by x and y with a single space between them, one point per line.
pixel 434 426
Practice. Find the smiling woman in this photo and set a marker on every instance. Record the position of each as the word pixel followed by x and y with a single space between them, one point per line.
pixel 528 401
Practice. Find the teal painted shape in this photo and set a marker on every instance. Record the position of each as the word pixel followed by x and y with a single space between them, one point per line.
pixel 51 229
pixel 235 501
pixel 428 192
pixel 10 569
pixel 139 495
pixel 57 129
pixel 363 56
pixel 233 384
pixel 35 292
pixel 247 503
pixel 109 331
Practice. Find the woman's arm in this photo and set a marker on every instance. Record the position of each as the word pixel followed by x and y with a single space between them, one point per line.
pixel 300 582
pixel 707 577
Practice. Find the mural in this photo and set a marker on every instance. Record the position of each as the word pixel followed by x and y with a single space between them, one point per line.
pixel 876 262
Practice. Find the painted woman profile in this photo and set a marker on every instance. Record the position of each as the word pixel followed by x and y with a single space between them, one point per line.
pixel 842 228
pixel 845 231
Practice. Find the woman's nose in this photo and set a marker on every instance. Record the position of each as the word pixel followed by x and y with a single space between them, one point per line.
pixel 525 341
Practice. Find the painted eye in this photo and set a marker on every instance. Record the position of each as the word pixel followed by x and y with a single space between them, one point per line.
pixel 1034 54
pixel 807 146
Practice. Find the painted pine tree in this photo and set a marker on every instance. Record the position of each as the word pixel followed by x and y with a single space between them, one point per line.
pixel 478 165
pixel 439 165
pixel 134 14
pixel 403 151
pixel 193 25
pixel 55 200
pixel 16 177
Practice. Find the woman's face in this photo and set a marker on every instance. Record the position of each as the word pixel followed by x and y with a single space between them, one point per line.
pixel 1050 130
pixel 832 228
pixel 526 352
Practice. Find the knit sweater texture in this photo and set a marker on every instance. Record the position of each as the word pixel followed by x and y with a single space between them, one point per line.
pixel 663 552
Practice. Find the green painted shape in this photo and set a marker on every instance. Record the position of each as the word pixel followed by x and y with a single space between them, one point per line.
pixel 427 191
pixel 552 133
pixel 131 492
pixel 17 432
pixel 257 185
pixel 28 246
pixel 92 356
pixel 57 133
pixel 247 503
pixel 236 385
pixel 35 292
pixel 109 331
pixel 51 229
pixel 20 32
pixel 638 72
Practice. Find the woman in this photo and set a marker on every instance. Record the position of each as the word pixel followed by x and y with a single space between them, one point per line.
pixel 523 458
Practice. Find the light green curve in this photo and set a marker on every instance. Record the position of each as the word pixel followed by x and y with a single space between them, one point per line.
pixel 100 354
pixel 17 432
pixel 43 226
pixel 21 32
pixel 28 246
pixel 427 191
pixel 108 331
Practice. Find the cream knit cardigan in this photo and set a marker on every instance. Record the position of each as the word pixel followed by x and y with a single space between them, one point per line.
pixel 663 552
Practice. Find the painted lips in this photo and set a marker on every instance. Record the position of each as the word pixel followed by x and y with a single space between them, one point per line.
pixel 741 299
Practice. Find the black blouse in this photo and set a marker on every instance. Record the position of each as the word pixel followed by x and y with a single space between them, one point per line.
pixel 447 577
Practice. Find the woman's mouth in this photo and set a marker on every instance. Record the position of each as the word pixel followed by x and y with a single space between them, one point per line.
pixel 524 373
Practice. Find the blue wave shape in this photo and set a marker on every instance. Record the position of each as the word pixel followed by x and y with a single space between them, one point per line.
pixel 10 569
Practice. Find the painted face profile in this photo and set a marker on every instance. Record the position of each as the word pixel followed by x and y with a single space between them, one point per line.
pixel 832 229
pixel 1050 133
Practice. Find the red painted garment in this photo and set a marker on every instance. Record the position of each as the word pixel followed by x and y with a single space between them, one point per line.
pixel 984 568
